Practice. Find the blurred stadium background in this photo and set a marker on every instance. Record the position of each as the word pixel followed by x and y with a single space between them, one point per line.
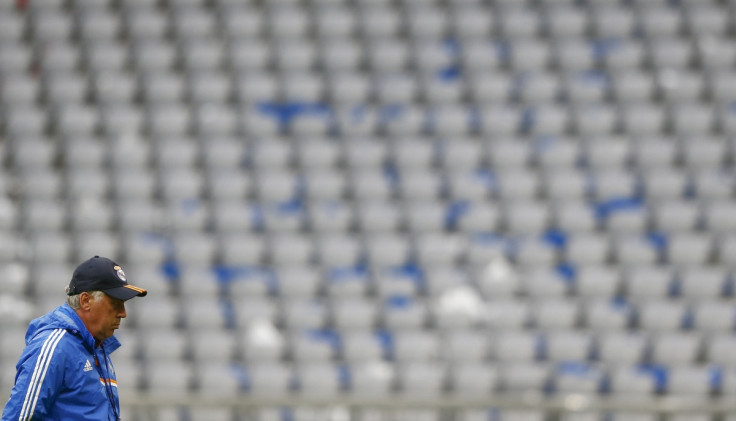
pixel 382 210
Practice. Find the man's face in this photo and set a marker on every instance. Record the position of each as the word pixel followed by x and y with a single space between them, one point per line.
pixel 104 316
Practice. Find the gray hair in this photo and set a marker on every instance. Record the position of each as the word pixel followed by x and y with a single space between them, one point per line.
pixel 73 300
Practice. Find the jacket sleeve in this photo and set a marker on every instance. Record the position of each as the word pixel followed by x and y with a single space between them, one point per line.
pixel 38 379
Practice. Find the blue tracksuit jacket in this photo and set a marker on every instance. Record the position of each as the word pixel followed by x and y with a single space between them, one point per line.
pixel 61 375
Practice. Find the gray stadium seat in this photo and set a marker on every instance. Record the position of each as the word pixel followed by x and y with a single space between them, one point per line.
pixel 676 348
pixel 713 316
pixel 622 347
pixel 607 315
pixel 172 347
pixel 18 88
pixel 304 313
pixel 421 379
pixel 662 315
pixel 318 380
pixel 169 378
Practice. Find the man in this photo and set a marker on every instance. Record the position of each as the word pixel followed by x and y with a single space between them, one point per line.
pixel 65 372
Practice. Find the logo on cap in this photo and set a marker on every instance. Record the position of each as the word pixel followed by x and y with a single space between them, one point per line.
pixel 120 273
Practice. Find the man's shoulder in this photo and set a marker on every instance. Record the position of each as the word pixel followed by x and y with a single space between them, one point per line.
pixel 54 346
pixel 51 340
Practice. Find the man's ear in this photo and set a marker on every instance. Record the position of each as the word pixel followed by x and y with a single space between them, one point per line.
pixel 85 300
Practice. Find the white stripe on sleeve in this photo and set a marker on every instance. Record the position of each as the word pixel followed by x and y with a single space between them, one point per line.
pixel 39 374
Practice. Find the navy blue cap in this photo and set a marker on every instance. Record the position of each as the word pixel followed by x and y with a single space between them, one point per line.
pixel 102 274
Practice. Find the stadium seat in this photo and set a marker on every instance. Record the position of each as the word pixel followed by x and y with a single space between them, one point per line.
pixel 163 312
pixel 659 21
pixel 555 314
pixel 423 215
pixel 130 376
pixel 241 23
pixel 590 119
pixel 574 216
pixel 387 249
pixel 569 345
pixel 715 216
pixel 399 313
pixel 698 283
pixel 312 346
pixel 688 249
pixel 395 282
pixel 485 88
pixel 145 23
pixel 669 52
pixel 578 378
pixel 371 379
pixel 18 88
pixel 507 314
pixel 526 377
pixel 632 383
pixel 662 315
pixel 90 213
pixel 675 216
pixel 195 278
pixel 268 380
pixel 304 313
pixel 47 25
pixel 594 281
pixel 421 379
pixel 717 349
pixel 649 282
pixel 676 348
pixel 13 27
pixel 655 152
pixel 566 22
pixel 694 381
pixel 607 315
pixel 522 216
pixel 711 184
pixel 473 379
pixel 465 346
pixel 607 153
pixel 516 346
pixel 712 316
pixel 317 380
pixel 209 313
pixel 354 313
pixel 287 22
pixel 587 249
pixel 622 347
